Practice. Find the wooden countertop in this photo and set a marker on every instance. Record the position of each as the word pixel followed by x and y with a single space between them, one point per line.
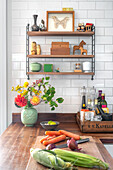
pixel 17 140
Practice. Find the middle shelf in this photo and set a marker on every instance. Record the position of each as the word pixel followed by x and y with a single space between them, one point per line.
pixel 60 56
pixel 60 73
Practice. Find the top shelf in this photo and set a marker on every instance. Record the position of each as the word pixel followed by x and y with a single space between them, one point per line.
pixel 52 33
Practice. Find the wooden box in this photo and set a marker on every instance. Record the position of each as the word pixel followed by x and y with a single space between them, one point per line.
pixel 60 44
pixel 60 51
pixel 94 126
pixel 60 48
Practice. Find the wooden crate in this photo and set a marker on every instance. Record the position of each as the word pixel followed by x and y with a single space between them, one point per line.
pixel 94 126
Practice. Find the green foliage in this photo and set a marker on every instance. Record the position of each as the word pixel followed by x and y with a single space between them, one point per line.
pixel 60 100
pixel 49 92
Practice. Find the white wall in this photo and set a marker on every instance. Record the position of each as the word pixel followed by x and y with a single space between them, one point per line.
pixel 3 68
pixel 99 12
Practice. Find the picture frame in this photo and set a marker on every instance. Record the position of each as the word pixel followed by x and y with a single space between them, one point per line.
pixel 60 21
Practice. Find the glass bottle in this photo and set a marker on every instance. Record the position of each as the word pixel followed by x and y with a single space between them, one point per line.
pixel 89 104
pixel 99 97
pixel 83 94
pixel 93 96
pixel 103 101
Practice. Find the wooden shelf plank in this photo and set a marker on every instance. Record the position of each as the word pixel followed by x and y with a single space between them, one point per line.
pixel 52 33
pixel 60 56
pixel 59 73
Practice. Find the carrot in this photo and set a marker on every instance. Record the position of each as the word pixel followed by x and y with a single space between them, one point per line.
pixel 69 134
pixel 44 138
pixel 54 140
pixel 51 133
pixel 51 137
pixel 47 138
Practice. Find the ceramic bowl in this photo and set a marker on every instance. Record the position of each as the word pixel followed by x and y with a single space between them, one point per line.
pixel 49 127
pixel 35 67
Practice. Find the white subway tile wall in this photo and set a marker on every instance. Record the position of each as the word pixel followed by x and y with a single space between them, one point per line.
pixel 99 12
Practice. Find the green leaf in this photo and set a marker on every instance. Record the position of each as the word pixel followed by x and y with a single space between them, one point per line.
pixel 29 104
pixel 60 100
pixel 53 108
pixel 46 83
pixel 49 98
pixel 17 105
pixel 47 78
pixel 48 92
pixel 46 102
pixel 42 80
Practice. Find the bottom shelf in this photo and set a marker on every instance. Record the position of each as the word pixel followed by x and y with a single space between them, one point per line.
pixel 59 73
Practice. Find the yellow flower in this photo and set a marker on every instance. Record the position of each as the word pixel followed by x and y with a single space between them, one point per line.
pixel 26 84
pixel 40 91
pixel 18 87
pixel 12 89
pixel 35 100
pixel 19 91
pixel 24 93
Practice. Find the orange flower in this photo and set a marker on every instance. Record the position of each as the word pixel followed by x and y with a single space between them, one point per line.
pixel 35 100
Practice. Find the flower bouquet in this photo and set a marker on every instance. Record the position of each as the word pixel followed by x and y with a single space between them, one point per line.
pixel 32 95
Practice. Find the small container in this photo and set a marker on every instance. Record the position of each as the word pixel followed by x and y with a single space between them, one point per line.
pixel 89 115
pixel 87 67
pixel 35 67
pixel 78 66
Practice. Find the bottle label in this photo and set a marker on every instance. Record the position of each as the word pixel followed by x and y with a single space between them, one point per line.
pixel 83 105
pixel 104 106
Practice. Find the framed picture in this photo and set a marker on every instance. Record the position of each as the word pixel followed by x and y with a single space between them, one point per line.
pixel 60 20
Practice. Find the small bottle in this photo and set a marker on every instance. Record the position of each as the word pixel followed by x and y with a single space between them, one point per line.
pixel 83 93
pixel 99 97
pixel 96 107
pixel 103 102
pixel 89 105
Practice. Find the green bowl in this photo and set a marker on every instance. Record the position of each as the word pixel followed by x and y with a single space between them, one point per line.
pixel 35 67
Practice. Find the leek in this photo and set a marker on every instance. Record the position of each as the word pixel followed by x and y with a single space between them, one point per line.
pixel 80 159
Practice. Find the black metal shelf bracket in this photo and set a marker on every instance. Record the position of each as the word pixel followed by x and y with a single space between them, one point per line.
pixel 93 53
pixel 27 51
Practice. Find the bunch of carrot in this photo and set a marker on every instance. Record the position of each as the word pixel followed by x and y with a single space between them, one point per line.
pixel 57 136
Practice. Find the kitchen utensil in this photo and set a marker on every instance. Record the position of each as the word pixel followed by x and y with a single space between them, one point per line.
pixel 46 126
pixel 78 142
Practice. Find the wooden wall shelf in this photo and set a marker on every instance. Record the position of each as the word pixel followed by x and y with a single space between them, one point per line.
pixel 52 33
pixel 60 56
pixel 58 73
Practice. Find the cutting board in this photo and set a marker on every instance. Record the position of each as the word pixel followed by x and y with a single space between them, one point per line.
pixel 88 148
